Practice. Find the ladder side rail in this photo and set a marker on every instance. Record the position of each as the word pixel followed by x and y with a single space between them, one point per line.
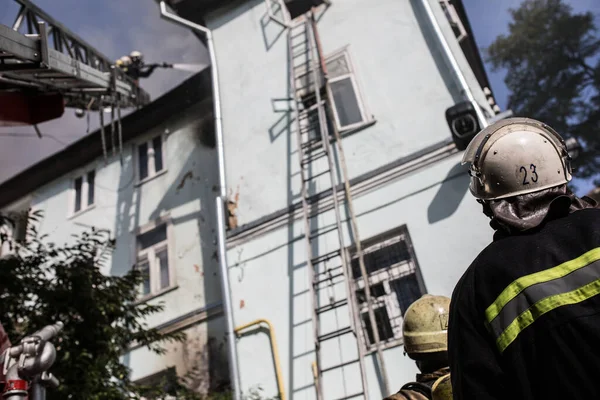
pixel 324 132
pixel 305 209
pixel 354 225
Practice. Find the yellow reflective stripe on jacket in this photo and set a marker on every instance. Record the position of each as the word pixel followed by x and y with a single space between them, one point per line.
pixel 542 307
pixel 531 296
pixel 516 287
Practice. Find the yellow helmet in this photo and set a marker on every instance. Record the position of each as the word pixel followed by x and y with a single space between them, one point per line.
pixel 425 326
pixel 442 388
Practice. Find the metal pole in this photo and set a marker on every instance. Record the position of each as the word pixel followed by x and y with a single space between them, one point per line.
pixel 483 122
pixel 233 359
pixel 228 303
pixel 353 225
pixel 215 87
pixel 38 391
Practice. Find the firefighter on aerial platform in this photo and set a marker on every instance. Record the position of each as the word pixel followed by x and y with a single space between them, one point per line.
pixel 133 65
pixel 425 340
pixel 525 316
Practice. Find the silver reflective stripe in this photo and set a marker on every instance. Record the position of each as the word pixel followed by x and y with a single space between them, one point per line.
pixel 540 291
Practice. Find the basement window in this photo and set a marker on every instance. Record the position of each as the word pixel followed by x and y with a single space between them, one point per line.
pixel 394 281
pixel 151 158
pixel 83 192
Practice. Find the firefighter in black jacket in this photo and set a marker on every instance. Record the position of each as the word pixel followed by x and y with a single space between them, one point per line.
pixel 525 316
pixel 425 340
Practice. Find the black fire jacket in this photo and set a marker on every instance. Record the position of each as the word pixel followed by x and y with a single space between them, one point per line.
pixel 525 316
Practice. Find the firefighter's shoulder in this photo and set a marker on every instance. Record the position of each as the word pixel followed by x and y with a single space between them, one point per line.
pixel 442 388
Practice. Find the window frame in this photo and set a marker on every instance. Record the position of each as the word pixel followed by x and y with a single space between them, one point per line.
pixel 150 253
pixel 151 166
pixel 453 19
pixel 364 111
pixel 85 205
pixel 15 235
pixel 385 276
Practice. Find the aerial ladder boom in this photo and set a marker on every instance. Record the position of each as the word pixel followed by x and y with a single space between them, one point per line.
pixel 40 57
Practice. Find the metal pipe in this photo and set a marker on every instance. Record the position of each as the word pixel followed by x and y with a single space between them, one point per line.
pixel 483 122
pixel 215 87
pixel 274 349
pixel 227 302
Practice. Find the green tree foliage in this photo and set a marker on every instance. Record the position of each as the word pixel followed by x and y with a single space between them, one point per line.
pixel 551 56
pixel 44 283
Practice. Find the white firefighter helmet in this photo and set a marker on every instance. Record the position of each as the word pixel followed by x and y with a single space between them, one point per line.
pixel 136 56
pixel 425 326
pixel 124 61
pixel 516 156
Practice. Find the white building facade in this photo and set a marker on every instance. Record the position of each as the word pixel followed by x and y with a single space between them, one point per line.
pixel 389 85
pixel 156 199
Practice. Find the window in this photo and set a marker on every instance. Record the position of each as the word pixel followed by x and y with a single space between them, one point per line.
pixel 349 111
pixel 13 232
pixel 161 385
pixel 153 260
pixel 453 19
pixel 297 8
pixel 348 108
pixel 394 281
pixel 84 191
pixel 150 158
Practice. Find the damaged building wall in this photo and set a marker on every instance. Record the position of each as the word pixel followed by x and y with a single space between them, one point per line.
pixel 172 181
pixel 399 71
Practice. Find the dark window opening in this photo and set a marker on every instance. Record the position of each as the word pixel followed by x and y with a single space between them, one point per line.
pixel 78 185
pixel 158 158
pixel 382 258
pixel 91 177
pixel 143 155
pixel 407 291
pixel 377 290
pixel 346 102
pixel 297 8
pixel 384 328
pixel 150 238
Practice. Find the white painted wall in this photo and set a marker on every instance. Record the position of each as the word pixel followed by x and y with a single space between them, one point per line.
pixel 184 193
pixel 447 229
pixel 404 78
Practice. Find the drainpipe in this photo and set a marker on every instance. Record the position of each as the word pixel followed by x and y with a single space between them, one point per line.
pixel 222 198
pixel 483 122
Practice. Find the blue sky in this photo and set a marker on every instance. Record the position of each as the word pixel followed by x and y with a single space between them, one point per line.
pixel 115 27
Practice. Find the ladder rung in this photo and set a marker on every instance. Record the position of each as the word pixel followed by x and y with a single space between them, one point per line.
pixel 325 257
pixel 331 306
pixel 310 143
pixel 334 334
pixel 301 33
pixel 299 43
pixel 317 233
pixel 313 177
pixel 313 157
pixel 341 366
pixel 309 128
pixel 298 54
pixel 352 396
pixel 332 277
